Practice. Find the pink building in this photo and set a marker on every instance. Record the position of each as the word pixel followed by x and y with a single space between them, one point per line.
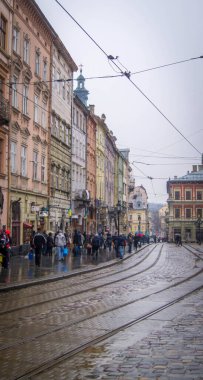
pixel 30 120
pixel 5 55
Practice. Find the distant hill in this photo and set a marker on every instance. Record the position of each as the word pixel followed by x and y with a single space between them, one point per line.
pixel 155 206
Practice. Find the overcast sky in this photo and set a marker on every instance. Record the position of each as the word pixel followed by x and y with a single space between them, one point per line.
pixel 143 34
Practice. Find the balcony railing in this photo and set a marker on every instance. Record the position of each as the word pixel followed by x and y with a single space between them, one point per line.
pixel 4 111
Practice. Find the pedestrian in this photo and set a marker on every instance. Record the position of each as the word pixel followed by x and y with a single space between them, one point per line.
pixel 50 244
pixel 60 243
pixel 95 245
pixel 121 246
pixel 109 241
pixel 130 242
pixel 77 241
pixel 5 246
pixel 39 242
pixel 136 240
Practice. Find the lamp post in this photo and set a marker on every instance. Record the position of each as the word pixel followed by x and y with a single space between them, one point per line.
pixel 119 211
pixel 139 222
pixel 198 231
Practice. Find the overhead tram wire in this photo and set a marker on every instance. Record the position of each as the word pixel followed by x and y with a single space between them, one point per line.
pixel 166 65
pixel 119 73
pixel 128 75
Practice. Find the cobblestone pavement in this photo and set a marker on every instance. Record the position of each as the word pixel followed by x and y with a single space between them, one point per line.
pixel 166 347
pixel 22 270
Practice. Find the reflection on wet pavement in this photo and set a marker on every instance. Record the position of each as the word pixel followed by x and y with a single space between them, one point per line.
pixel 21 268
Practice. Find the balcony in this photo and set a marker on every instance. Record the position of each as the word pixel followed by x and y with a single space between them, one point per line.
pixel 4 111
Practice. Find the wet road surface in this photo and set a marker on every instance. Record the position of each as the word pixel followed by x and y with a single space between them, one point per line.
pixel 165 346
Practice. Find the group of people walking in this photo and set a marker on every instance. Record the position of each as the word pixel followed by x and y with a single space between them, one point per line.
pixel 61 243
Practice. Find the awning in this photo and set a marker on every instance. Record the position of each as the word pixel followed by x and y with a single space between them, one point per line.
pixel 27 225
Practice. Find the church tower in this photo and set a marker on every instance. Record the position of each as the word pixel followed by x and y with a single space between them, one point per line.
pixel 80 90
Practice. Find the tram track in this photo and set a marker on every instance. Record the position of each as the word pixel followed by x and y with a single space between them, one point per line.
pixel 47 365
pixel 67 328
pixel 85 282
pixel 69 283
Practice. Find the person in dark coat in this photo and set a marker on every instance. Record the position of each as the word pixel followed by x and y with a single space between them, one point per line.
pixel 130 242
pixel 39 242
pixel 50 244
pixel 136 241
pixel 95 244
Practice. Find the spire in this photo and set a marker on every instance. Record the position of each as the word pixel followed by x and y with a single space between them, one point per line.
pixel 80 90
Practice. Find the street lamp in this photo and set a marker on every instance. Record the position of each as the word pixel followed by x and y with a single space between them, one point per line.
pixel 198 226
pixel 139 222
pixel 119 211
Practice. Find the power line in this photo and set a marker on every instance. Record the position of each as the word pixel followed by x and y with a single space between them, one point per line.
pixel 63 80
pixel 128 75
pixel 167 65
pixel 182 163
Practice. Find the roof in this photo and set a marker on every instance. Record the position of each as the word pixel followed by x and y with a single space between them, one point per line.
pixel 190 177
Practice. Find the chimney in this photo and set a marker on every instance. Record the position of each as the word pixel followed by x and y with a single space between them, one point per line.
pixel 194 168
pixel 91 108
pixel 103 117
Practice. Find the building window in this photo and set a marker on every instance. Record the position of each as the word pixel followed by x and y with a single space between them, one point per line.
pixel 188 213
pixel 64 90
pixel 188 195
pixel 35 165
pixel 177 213
pixel 14 92
pixel 58 82
pixel 26 50
pixel 62 133
pixel 25 100
pixel 199 195
pixel 44 112
pixel 68 94
pixel 13 156
pixel 177 195
pixel 74 115
pixel 63 180
pixel 53 124
pixel 57 129
pixel 36 109
pixel 43 169
pixel 44 77
pixel 16 39
pixel 1 155
pixel 67 136
pixel 199 213
pixel 37 62
pixel 23 161
pixel 57 178
pixel 53 78
pixel 3 25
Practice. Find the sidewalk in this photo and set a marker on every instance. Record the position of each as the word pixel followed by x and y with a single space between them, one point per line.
pixel 23 271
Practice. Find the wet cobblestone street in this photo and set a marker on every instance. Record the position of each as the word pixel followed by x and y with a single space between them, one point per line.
pixel 146 311
pixel 172 351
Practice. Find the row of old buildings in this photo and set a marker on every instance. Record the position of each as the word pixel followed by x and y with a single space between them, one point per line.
pixel 59 163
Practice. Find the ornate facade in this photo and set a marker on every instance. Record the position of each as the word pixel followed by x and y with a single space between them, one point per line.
pixel 6 16
pixel 185 204
pixel 62 70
